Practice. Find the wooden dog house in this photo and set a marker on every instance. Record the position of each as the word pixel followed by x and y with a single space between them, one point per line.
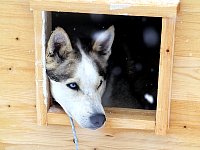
pixel 24 105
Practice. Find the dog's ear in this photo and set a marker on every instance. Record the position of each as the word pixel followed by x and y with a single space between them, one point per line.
pixel 59 43
pixel 59 46
pixel 103 42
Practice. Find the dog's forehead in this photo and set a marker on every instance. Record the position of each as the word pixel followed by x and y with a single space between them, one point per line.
pixel 87 69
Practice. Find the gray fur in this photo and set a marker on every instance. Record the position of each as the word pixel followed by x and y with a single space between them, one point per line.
pixel 61 61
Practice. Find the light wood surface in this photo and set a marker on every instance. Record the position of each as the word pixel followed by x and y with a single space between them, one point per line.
pixel 165 75
pixel 116 118
pixel 155 8
pixel 39 71
pixel 18 119
pixel 42 30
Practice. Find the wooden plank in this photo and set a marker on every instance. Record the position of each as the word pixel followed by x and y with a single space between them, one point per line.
pixel 39 65
pixel 185 78
pixel 186 83
pixel 155 8
pixel 19 128
pixel 116 118
pixel 165 75
pixel 16 56
pixel 104 139
pixel 16 49
pixel 186 62
pixel 15 117
pixel 185 114
pixel 190 6
pixel 187 40
pixel 17 93
pixel 10 146
pixel 11 72
pixel 130 118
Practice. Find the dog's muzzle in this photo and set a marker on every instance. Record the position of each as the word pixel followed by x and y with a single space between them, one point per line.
pixel 97 120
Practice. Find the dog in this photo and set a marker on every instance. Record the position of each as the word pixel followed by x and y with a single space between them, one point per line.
pixel 77 75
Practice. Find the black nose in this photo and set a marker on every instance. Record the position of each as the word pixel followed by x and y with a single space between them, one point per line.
pixel 98 120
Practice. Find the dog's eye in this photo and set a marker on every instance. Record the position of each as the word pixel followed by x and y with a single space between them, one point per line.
pixel 100 84
pixel 73 86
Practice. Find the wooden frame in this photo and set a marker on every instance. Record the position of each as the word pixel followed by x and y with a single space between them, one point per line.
pixel 117 117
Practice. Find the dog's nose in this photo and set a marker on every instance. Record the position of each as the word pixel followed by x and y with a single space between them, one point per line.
pixel 98 120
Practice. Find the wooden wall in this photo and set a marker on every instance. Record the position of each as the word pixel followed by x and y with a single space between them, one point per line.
pixel 185 108
pixel 18 128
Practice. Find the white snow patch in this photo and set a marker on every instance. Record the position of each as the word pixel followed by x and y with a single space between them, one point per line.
pixel 149 98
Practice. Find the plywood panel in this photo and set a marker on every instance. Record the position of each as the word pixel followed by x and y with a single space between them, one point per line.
pixel 116 118
pixel 16 23
pixel 186 62
pixel 186 71
pixel 17 94
pixel 186 114
pixel 5 146
pixel 16 40
pixel 101 139
pixel 155 8
pixel 187 40
pixel 18 130
pixel 186 79
pixel 186 83
pixel 15 118
pixel 190 6
pixel 16 55
pixel 165 75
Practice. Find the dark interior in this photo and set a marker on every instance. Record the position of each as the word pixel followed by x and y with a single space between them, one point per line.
pixel 132 79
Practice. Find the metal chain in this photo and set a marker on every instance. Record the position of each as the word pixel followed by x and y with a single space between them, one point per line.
pixel 74 133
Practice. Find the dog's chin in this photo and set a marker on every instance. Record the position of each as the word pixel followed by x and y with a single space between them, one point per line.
pixel 91 127
pixel 94 128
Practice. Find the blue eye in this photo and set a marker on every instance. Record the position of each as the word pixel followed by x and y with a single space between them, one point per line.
pixel 73 86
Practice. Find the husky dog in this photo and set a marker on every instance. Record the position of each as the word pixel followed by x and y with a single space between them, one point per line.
pixel 78 75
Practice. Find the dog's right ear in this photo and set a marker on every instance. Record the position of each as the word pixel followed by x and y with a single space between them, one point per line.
pixel 103 43
pixel 58 47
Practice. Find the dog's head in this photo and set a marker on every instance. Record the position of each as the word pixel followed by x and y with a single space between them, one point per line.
pixel 77 75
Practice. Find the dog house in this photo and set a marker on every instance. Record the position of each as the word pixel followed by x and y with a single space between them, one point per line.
pixel 117 117
pixel 25 113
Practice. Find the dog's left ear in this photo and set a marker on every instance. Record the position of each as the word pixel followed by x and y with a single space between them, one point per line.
pixel 103 43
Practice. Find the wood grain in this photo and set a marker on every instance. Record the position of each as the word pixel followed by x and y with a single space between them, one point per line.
pixel 41 99
pixel 18 123
pixel 187 40
pixel 155 8
pixel 186 83
pixel 116 118
pixel 181 109
pixel 165 75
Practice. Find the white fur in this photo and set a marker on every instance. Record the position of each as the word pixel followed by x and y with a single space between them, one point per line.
pixel 85 102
